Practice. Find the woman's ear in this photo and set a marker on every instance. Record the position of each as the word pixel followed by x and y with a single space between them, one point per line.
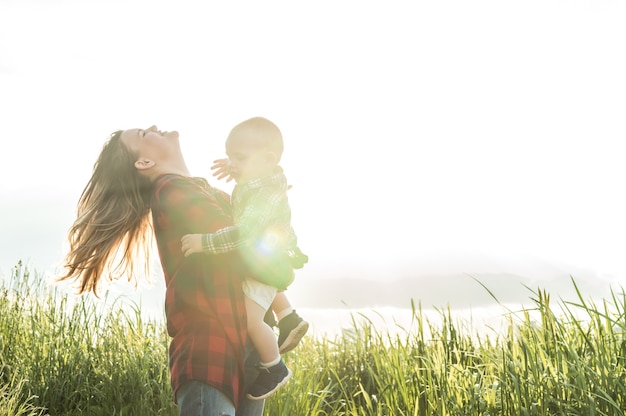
pixel 143 164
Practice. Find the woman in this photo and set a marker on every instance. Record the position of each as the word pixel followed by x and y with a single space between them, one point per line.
pixel 140 181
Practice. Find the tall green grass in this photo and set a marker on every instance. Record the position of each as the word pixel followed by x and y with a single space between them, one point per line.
pixel 71 356
pixel 66 355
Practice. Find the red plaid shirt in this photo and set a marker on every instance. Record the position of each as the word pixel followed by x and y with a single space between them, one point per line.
pixel 204 303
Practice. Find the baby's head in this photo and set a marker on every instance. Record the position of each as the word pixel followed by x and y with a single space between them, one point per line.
pixel 254 148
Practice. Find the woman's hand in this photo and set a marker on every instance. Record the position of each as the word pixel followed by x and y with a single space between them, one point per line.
pixel 220 166
pixel 192 243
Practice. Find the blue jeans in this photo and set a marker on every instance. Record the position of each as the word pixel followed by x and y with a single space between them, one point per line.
pixel 196 398
pixel 200 399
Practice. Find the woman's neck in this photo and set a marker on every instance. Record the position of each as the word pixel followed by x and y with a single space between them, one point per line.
pixel 176 169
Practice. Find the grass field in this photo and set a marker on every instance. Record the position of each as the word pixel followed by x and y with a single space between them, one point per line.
pixel 65 355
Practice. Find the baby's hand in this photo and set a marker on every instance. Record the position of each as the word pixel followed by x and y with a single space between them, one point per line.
pixel 192 243
pixel 220 166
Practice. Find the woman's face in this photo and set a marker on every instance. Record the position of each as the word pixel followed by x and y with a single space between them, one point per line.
pixel 152 144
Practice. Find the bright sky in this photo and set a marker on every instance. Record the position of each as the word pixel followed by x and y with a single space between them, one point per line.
pixel 421 138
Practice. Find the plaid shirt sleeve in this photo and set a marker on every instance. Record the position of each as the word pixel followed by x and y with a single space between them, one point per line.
pixel 222 241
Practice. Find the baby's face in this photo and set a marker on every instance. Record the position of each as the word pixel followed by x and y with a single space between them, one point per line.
pixel 247 161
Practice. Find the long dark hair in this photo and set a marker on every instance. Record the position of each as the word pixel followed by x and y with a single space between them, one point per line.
pixel 112 232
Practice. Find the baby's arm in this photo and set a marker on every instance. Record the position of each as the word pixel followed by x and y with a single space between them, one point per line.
pixel 252 223
pixel 222 241
pixel 252 226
